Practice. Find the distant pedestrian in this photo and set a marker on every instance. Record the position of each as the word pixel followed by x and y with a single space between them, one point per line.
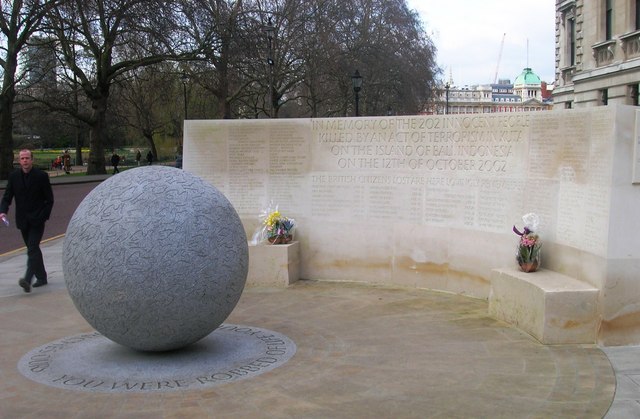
pixel 115 160
pixel 149 157
pixel 138 156
pixel 179 157
pixel 66 162
pixel 34 200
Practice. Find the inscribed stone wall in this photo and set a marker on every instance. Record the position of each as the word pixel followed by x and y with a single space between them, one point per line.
pixel 456 175
pixel 429 201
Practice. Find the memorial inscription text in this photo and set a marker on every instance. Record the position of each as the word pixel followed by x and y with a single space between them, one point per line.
pixel 479 172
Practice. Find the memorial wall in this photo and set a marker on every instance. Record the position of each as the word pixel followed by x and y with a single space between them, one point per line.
pixel 429 201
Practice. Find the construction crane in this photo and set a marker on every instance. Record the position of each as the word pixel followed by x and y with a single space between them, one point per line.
pixel 495 77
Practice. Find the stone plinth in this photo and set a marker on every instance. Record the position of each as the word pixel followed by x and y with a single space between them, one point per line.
pixel 274 264
pixel 553 308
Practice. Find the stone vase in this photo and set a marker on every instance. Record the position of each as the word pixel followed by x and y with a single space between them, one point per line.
pixel 529 266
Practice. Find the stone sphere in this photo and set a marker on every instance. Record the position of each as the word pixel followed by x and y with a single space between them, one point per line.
pixel 155 258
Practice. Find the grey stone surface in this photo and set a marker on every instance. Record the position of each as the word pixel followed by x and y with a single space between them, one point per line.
pixel 154 258
pixel 624 360
pixel 90 362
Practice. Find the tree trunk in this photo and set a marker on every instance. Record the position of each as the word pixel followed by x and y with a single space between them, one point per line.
pixel 6 137
pixel 6 117
pixel 97 138
pixel 224 98
pixel 152 144
pixel 275 100
pixel 227 109
pixel 79 161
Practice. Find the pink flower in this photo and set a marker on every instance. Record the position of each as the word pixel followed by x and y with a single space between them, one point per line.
pixel 528 240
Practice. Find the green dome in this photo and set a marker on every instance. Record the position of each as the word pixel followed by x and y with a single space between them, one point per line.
pixel 527 77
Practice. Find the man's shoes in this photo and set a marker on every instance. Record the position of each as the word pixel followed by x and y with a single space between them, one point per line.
pixel 39 283
pixel 25 285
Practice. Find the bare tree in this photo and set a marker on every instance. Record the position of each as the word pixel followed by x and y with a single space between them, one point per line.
pixel 398 59
pixel 279 29
pixel 19 20
pixel 318 45
pixel 99 41
pixel 146 102
pixel 223 27
pixel 327 62
pixel 386 42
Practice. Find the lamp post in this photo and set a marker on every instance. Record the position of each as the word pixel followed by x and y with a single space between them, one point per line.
pixel 446 88
pixel 270 30
pixel 184 78
pixel 356 80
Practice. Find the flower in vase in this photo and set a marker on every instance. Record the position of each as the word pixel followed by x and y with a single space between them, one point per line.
pixel 278 225
pixel 529 244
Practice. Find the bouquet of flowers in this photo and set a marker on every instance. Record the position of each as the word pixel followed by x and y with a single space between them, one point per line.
pixel 275 227
pixel 279 228
pixel 528 254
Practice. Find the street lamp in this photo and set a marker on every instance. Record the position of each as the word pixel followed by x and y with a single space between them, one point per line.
pixel 270 30
pixel 184 78
pixel 356 80
pixel 446 88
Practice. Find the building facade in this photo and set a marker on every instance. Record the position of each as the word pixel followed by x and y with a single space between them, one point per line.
pixel 526 93
pixel 40 64
pixel 597 53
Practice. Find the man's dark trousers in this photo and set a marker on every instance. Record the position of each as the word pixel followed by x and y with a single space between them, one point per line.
pixel 32 234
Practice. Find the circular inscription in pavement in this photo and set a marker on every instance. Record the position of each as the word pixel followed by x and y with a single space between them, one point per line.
pixel 91 362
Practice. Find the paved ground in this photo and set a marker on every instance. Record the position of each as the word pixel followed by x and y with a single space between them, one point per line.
pixel 362 352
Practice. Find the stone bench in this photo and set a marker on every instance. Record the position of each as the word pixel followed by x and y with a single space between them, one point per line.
pixel 274 264
pixel 553 308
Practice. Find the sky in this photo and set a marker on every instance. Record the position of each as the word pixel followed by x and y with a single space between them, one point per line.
pixel 468 35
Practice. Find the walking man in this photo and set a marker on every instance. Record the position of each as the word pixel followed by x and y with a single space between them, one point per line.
pixel 34 201
pixel 115 160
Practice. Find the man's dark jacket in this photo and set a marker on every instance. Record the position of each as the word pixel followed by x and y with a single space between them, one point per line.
pixel 34 200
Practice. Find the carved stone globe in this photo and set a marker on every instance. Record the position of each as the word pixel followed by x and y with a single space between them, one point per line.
pixel 155 259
